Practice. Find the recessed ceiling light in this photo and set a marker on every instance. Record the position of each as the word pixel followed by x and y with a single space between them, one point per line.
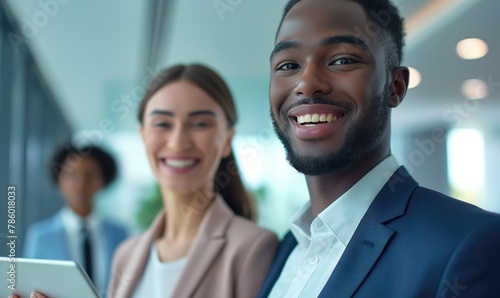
pixel 472 48
pixel 474 89
pixel 415 78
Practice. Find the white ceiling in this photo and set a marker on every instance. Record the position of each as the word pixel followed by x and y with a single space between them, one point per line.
pixel 438 99
pixel 94 55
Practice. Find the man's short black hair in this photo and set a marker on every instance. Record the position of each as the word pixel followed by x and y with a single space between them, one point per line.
pixel 386 16
pixel 105 161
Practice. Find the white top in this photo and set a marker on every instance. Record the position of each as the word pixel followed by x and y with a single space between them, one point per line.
pixel 159 278
pixel 73 226
pixel 322 240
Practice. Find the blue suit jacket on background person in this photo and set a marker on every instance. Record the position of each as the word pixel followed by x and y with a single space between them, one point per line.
pixel 47 240
pixel 413 242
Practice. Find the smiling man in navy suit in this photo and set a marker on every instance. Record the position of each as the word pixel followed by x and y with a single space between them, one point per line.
pixel 369 229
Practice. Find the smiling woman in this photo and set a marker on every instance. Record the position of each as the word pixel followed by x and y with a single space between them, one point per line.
pixel 200 103
pixel 204 243
pixel 185 137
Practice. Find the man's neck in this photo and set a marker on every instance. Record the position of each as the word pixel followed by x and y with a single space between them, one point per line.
pixel 326 189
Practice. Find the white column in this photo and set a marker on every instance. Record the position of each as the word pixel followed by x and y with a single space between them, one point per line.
pixel 492 170
pixel 423 154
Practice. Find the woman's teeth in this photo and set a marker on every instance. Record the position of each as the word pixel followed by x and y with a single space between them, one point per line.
pixel 179 163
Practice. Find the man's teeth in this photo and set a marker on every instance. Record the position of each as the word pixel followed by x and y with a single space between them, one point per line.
pixel 179 163
pixel 316 118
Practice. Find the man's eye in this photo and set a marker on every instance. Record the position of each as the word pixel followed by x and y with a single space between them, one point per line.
pixel 343 61
pixel 287 66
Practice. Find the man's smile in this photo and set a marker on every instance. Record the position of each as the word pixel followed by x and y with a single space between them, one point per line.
pixel 315 121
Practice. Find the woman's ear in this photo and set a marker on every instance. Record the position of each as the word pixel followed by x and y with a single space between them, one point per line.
pixel 400 77
pixel 141 131
pixel 227 146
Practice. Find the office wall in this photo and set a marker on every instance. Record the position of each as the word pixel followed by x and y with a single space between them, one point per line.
pixel 31 127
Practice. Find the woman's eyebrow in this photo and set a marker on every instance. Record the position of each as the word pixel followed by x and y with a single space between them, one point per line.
pixel 202 112
pixel 162 112
pixel 190 114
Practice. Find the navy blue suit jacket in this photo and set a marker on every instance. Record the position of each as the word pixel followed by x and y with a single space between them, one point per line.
pixel 413 242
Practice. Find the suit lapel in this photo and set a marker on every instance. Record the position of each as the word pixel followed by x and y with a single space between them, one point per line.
pixel 59 245
pixel 371 236
pixel 205 249
pixel 363 250
pixel 59 241
pixel 105 238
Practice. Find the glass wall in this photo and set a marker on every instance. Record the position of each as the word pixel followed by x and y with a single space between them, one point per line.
pixel 31 127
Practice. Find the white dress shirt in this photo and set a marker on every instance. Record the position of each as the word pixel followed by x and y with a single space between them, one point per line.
pixel 73 225
pixel 322 240
pixel 159 278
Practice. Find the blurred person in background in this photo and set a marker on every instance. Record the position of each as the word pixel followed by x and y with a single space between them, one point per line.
pixel 76 232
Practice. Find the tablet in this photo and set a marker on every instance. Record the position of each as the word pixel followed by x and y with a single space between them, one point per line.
pixel 56 279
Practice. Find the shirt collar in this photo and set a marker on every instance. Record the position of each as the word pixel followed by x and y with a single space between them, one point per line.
pixel 74 222
pixel 300 224
pixel 342 217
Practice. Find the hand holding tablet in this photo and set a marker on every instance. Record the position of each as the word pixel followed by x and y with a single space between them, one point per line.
pixel 55 279
pixel 32 295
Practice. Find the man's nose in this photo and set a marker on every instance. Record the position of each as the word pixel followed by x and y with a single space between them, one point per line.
pixel 313 81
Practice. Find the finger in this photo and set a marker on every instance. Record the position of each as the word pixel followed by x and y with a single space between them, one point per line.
pixel 37 295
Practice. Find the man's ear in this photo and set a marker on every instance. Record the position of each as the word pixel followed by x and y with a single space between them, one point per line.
pixel 400 78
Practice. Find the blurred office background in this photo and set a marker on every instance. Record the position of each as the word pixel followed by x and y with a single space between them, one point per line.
pixel 75 69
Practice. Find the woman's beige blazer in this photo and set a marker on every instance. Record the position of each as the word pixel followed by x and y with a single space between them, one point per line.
pixel 229 258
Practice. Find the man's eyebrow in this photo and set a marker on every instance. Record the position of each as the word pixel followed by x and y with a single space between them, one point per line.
pixel 284 45
pixel 334 40
pixel 346 39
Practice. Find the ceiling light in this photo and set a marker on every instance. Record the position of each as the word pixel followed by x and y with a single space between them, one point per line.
pixel 474 89
pixel 415 78
pixel 472 48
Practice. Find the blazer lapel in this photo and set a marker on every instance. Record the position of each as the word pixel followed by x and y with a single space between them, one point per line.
pixel 205 249
pixel 133 270
pixel 371 236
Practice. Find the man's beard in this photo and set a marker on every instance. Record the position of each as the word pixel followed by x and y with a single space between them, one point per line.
pixel 361 138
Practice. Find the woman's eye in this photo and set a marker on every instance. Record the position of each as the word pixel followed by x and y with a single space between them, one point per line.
pixel 287 66
pixel 201 124
pixel 161 124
